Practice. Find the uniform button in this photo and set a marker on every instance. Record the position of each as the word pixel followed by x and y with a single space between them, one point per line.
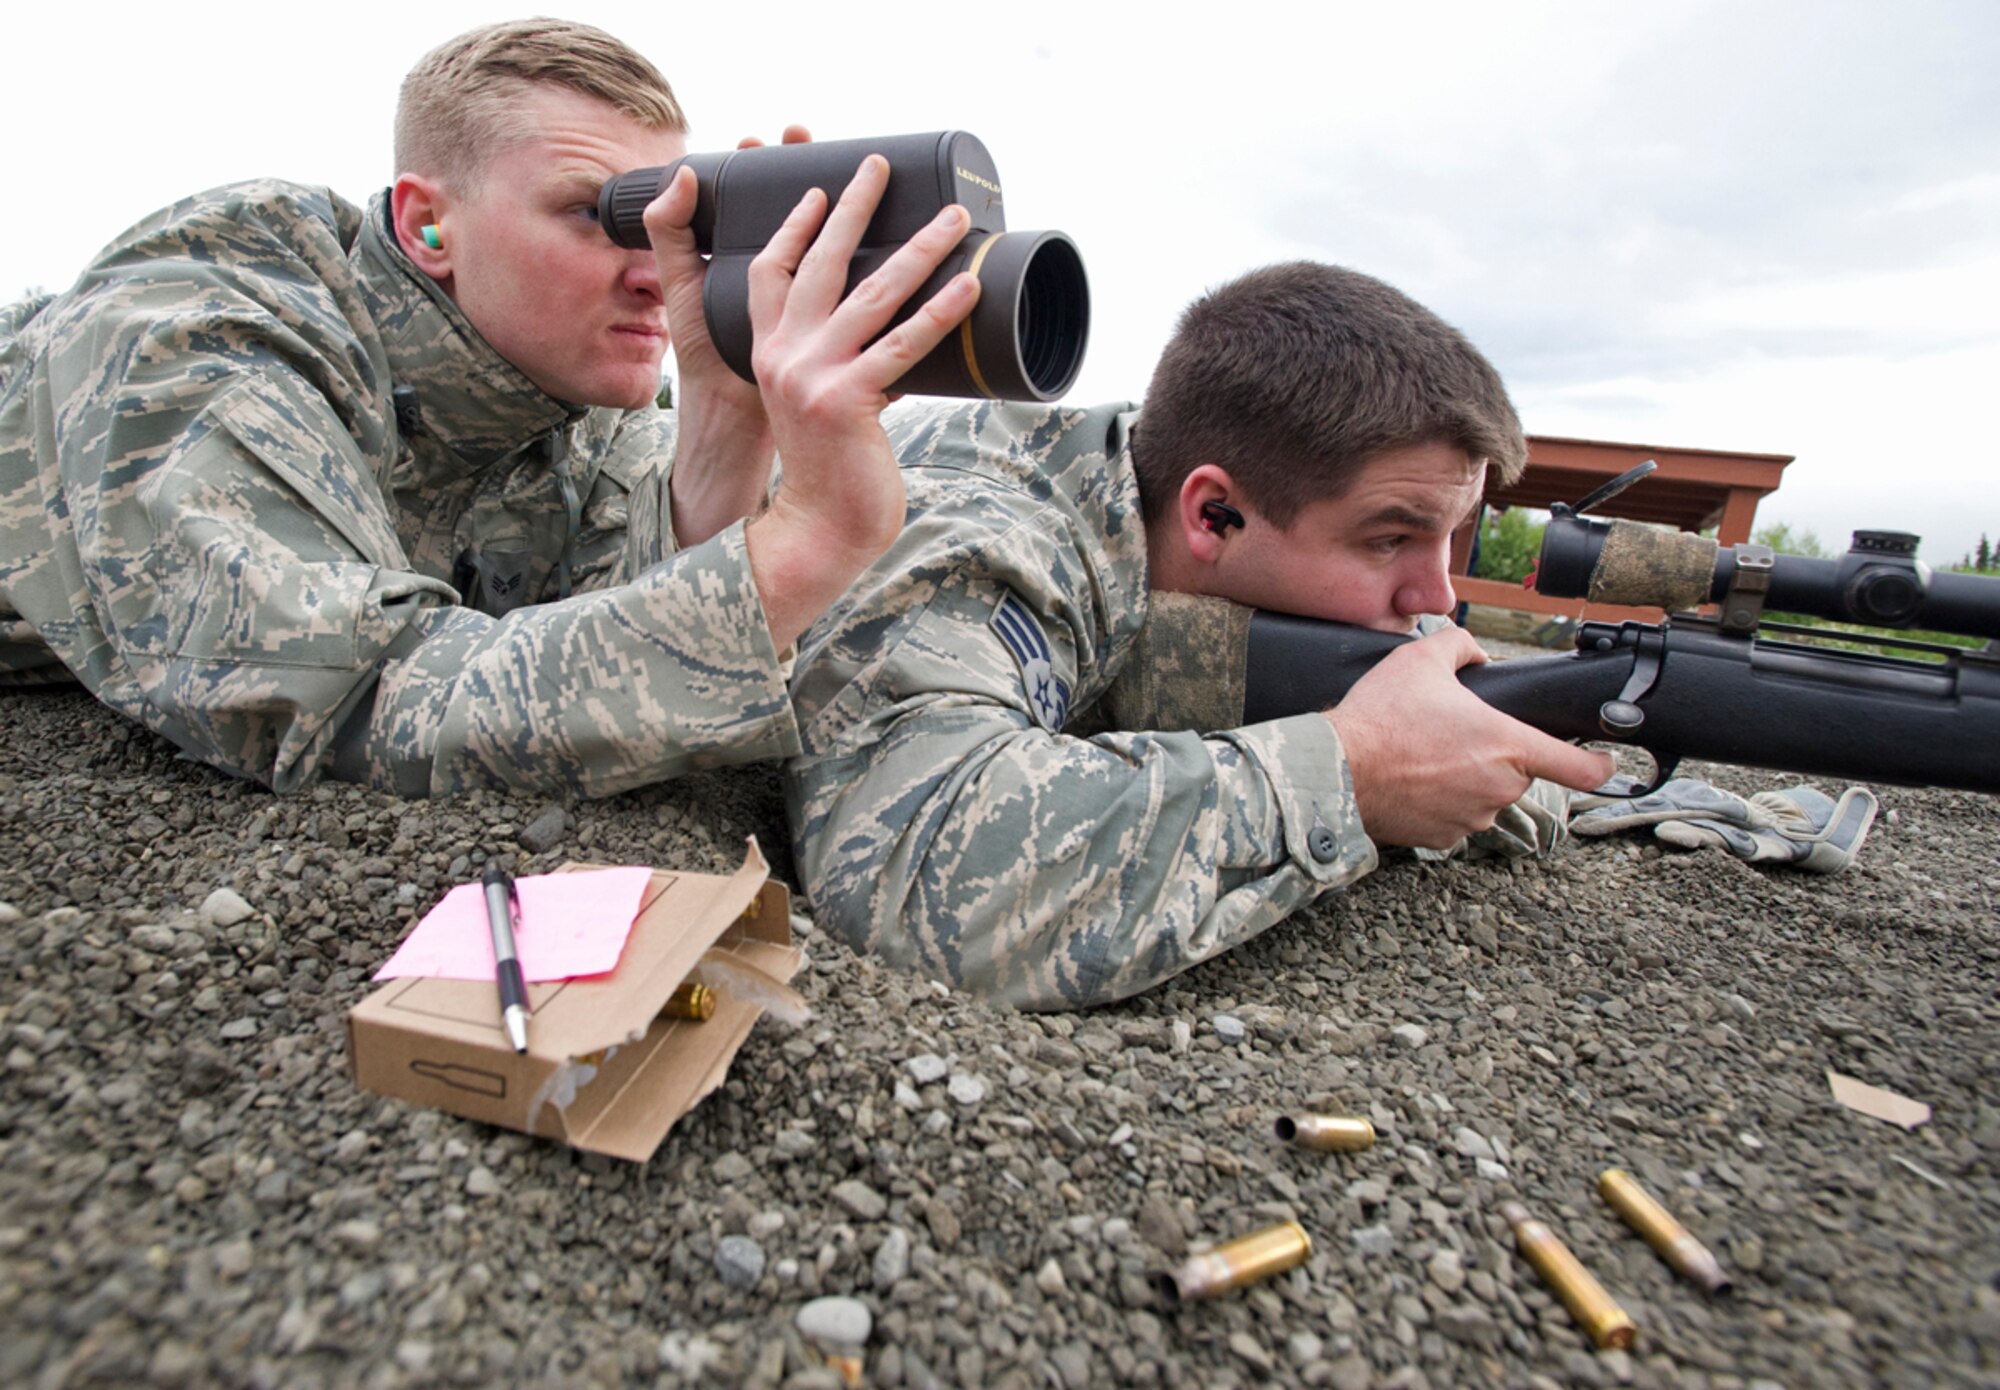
pixel 1322 844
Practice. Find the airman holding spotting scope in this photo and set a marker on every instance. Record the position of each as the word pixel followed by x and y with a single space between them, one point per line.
pixel 381 493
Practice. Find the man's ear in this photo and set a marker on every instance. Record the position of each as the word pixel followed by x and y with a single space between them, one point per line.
pixel 415 203
pixel 1207 507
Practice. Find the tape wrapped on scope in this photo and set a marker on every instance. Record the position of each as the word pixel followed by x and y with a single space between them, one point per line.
pixel 1646 567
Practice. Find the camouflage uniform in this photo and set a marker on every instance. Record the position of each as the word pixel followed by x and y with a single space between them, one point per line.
pixel 946 814
pixel 250 462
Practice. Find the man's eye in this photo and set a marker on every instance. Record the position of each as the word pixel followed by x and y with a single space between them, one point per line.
pixel 588 211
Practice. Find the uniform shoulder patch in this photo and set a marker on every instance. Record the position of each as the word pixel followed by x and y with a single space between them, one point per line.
pixel 1047 695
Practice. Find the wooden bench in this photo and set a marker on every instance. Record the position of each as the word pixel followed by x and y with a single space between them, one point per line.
pixel 1693 489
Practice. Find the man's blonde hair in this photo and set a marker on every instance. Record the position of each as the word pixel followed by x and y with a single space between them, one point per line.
pixel 461 104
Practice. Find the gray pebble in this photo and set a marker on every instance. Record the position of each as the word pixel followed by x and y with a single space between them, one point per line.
pixel 1374 1240
pixel 1447 1270
pixel 966 1088
pixel 892 1259
pixel 739 1261
pixel 481 1182
pixel 1352 1372
pixel 1469 1324
pixel 794 1142
pixel 545 831
pixel 1471 1143
pixel 860 1199
pixel 1229 1028
pixel 358 1236
pixel 835 1319
pixel 225 907
pixel 926 1067
pixel 1409 1035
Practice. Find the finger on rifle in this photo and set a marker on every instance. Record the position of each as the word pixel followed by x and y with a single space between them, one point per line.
pixel 1581 769
pixel 1457 646
pixel 875 300
pixel 821 276
pixel 771 272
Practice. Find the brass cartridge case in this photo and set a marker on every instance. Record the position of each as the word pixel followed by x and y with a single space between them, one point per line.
pixel 1596 1311
pixel 691 1001
pixel 1331 1133
pixel 1237 1263
pixel 1689 1257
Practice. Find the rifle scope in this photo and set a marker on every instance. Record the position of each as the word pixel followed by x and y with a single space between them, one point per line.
pixel 1879 582
pixel 1025 337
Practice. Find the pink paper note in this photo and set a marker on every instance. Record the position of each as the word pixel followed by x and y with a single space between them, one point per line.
pixel 569 925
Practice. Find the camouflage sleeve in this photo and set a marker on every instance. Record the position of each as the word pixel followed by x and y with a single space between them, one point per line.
pixel 621 533
pixel 603 692
pixel 941 825
pixel 264 618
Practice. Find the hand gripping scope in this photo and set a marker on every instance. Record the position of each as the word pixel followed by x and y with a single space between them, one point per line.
pixel 1024 339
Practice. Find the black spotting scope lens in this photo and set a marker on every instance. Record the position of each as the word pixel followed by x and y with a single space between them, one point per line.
pixel 1052 322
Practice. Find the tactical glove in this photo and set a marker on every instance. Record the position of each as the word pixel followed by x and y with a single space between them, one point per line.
pixel 1800 825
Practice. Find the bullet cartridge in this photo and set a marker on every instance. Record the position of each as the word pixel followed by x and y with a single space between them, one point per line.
pixel 1237 1263
pixel 1331 1133
pixel 691 1001
pixel 1596 1311
pixel 1689 1257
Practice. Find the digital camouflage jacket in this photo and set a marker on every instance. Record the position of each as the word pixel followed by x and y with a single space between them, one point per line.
pixel 948 813
pixel 252 460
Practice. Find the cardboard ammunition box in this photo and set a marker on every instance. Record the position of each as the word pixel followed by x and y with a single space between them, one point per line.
pixel 603 1071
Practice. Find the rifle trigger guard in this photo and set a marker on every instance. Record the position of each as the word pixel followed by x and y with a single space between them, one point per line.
pixel 1621 718
pixel 1663 771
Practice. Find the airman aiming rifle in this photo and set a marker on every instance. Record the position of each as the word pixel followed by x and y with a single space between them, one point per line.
pixel 1736 687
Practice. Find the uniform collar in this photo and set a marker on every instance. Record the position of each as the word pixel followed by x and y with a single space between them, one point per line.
pixel 467 395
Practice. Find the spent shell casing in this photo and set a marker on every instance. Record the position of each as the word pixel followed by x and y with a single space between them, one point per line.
pixel 1689 1257
pixel 1332 1133
pixel 690 1001
pixel 1236 1263
pixel 1595 1310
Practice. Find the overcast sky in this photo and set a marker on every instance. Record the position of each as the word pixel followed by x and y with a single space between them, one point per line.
pixel 1756 226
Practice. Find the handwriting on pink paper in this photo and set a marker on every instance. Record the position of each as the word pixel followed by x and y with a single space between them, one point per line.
pixel 569 925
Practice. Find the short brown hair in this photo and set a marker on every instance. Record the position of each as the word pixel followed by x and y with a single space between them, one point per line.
pixel 1297 375
pixel 461 103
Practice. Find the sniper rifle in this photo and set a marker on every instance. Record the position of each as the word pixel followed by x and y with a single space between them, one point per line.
pixel 1731 688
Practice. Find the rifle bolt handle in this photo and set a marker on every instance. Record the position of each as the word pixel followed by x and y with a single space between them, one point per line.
pixel 1620 718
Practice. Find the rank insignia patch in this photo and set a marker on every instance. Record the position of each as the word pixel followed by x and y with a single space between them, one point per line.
pixel 1047 696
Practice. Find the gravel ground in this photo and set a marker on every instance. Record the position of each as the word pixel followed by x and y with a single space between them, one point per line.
pixel 192 1191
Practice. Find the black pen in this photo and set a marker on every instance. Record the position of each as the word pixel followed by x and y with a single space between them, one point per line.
pixel 502 902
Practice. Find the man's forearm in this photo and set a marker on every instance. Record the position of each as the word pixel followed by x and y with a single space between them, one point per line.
pixel 1057 873
pixel 722 466
pixel 604 692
